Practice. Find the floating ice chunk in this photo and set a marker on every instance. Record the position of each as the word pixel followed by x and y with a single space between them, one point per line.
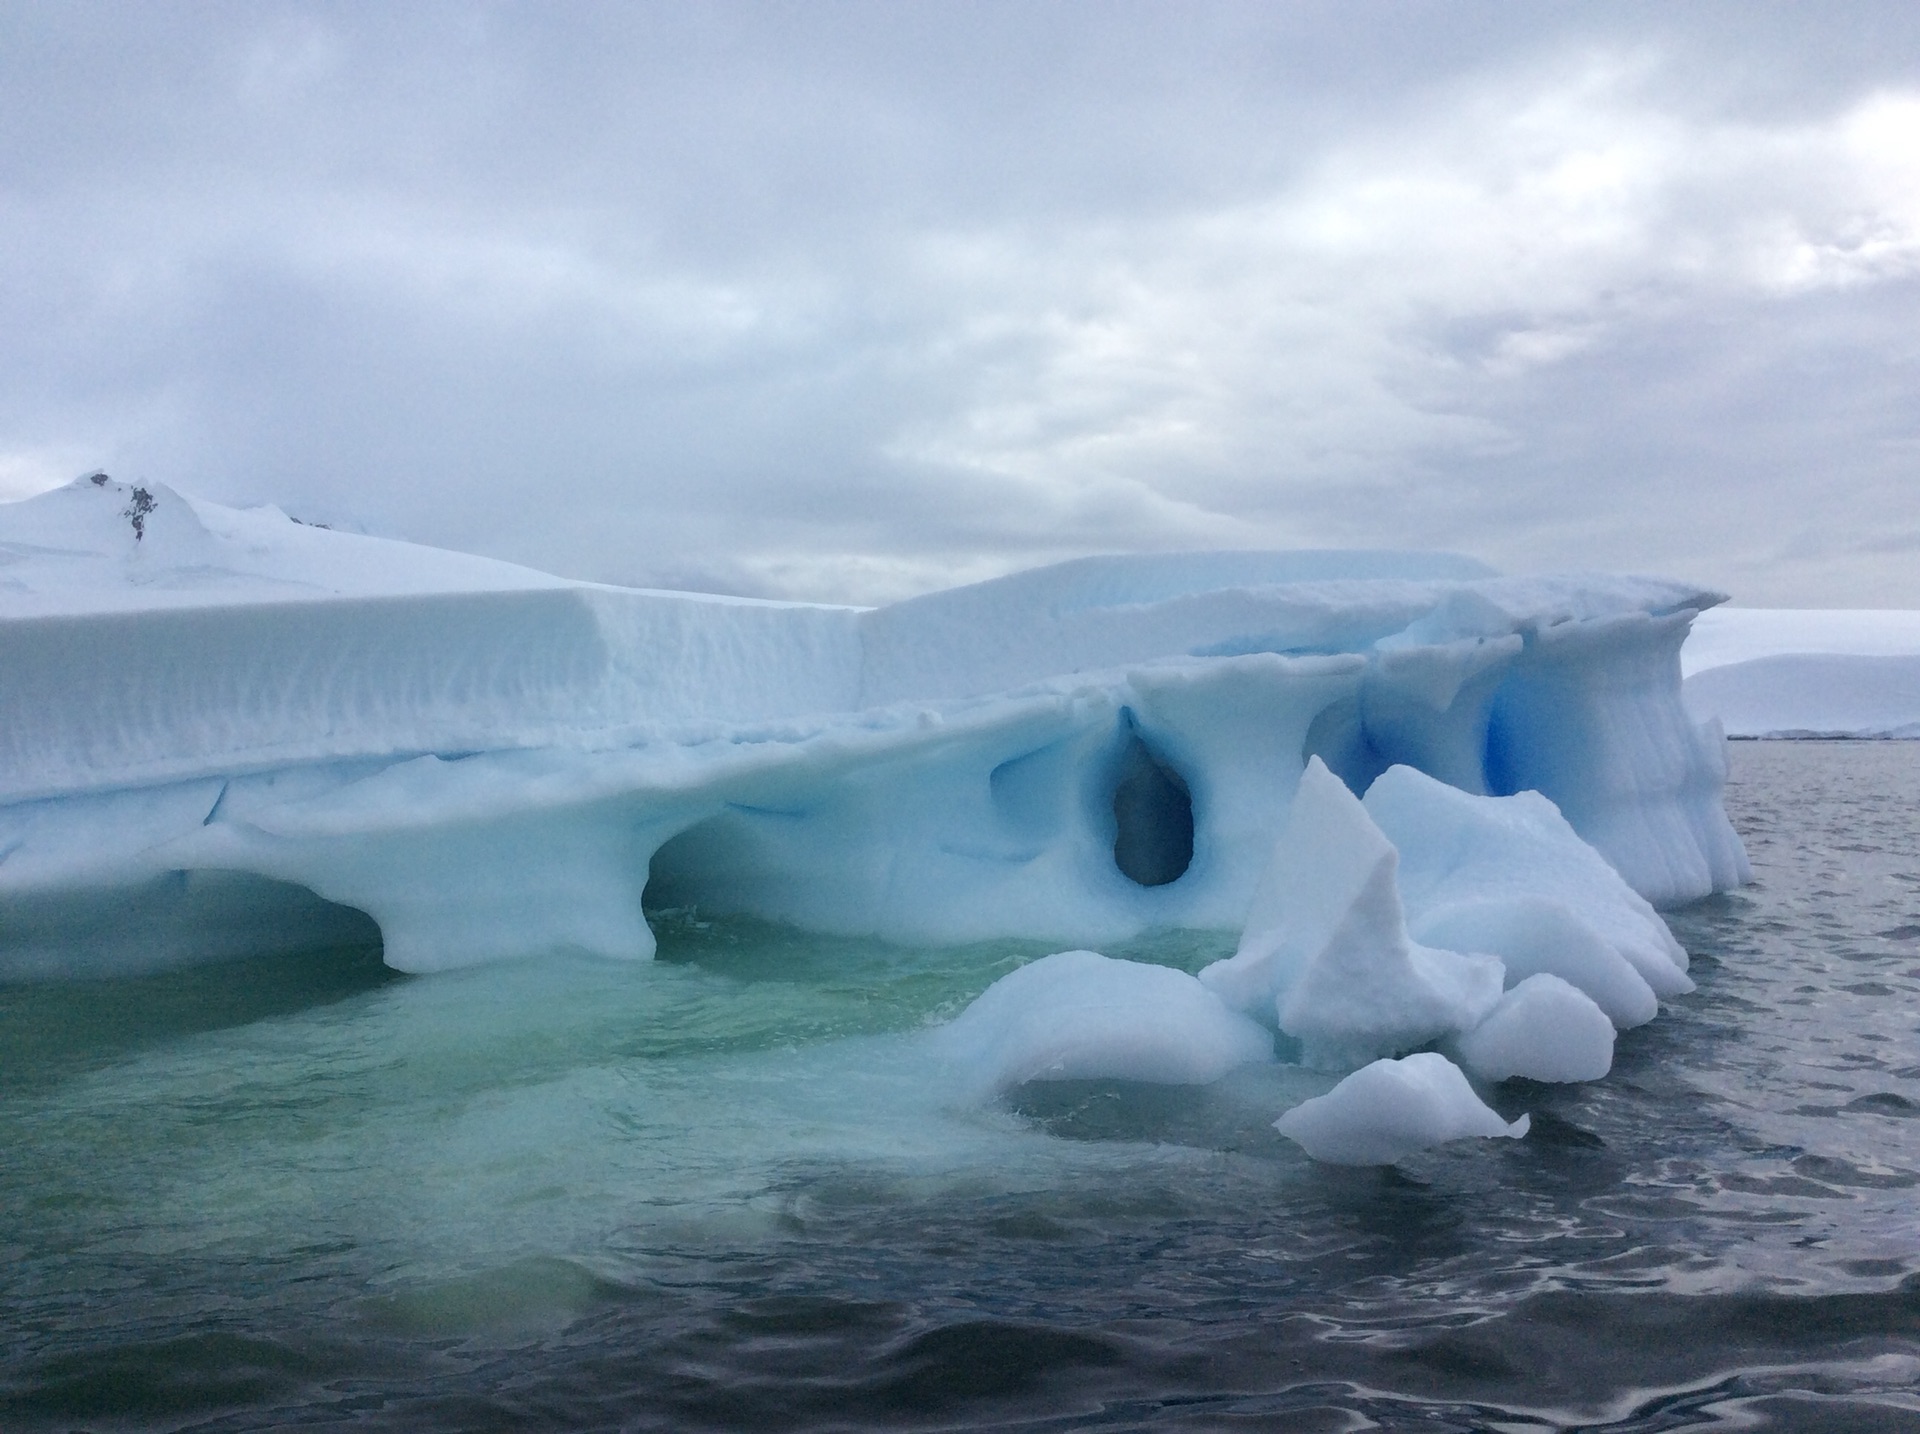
pixel 1078 1015
pixel 1457 849
pixel 1326 942
pixel 1391 1109
pixel 1532 936
pixel 1543 1029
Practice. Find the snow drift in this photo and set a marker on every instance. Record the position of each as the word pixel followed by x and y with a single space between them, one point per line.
pixel 224 730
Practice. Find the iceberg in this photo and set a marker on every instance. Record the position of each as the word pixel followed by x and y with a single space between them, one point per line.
pixel 223 730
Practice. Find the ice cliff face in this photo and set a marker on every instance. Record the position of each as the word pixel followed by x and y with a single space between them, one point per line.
pixel 225 731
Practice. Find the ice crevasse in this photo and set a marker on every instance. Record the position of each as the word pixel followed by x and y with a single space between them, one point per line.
pixel 224 731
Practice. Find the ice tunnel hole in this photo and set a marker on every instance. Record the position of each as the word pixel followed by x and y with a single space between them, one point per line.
pixel 681 874
pixel 181 920
pixel 1152 816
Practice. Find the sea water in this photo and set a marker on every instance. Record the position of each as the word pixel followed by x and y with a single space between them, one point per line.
pixel 727 1189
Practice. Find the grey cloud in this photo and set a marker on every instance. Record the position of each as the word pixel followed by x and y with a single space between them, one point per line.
pixel 852 300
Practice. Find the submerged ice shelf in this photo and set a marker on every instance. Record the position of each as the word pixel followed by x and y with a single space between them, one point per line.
pixel 222 731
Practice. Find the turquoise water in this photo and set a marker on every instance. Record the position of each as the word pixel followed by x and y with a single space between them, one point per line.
pixel 730 1189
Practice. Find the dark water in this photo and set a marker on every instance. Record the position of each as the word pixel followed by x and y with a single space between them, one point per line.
pixel 722 1192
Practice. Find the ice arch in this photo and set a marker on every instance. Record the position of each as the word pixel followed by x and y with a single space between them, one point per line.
pixel 171 919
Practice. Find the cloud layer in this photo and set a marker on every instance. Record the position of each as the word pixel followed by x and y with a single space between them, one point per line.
pixel 851 301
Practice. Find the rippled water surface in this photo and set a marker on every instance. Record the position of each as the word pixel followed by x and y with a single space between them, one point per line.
pixel 726 1190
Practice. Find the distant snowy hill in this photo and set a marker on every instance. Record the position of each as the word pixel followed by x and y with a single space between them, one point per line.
pixel 1776 672
pixel 98 546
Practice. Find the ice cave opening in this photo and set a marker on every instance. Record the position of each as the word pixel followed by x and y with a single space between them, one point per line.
pixel 1152 817
pixel 173 918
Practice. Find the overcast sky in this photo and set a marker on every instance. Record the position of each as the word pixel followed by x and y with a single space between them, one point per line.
pixel 848 301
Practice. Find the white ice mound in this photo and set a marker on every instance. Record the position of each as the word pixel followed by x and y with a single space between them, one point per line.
pixel 1325 942
pixel 1533 935
pixel 1392 1109
pixel 98 546
pixel 1543 1029
pixel 1464 857
pixel 1078 1015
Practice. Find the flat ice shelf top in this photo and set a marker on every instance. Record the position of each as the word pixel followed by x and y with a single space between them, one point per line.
pixel 148 636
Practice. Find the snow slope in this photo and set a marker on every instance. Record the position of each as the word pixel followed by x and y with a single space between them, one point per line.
pixel 1816 673
pixel 226 731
